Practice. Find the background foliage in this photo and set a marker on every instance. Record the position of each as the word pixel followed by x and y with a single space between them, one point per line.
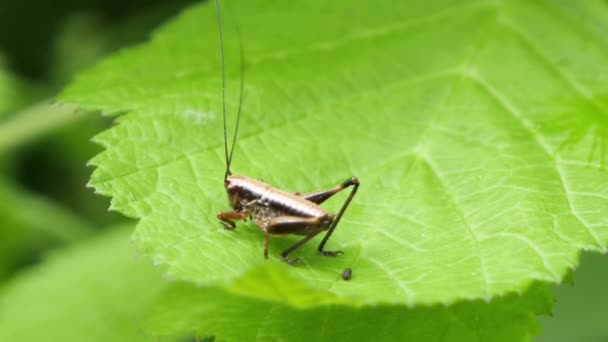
pixel 483 171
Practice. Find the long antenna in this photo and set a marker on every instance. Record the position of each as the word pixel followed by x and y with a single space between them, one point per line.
pixel 221 37
pixel 228 157
pixel 238 114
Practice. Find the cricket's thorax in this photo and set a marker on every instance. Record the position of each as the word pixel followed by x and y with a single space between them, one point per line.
pixel 267 202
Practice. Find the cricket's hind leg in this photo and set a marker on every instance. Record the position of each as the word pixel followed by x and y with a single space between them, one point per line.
pixel 322 196
pixel 319 197
pixel 281 225
pixel 227 218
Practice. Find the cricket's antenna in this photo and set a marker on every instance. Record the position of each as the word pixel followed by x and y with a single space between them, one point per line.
pixel 238 113
pixel 221 37
pixel 227 156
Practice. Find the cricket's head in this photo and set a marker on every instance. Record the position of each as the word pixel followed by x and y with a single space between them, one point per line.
pixel 233 192
pixel 240 190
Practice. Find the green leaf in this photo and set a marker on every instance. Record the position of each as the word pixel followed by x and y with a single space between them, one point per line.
pixel 30 224
pixel 580 311
pixel 8 85
pixel 94 291
pixel 14 92
pixel 478 131
pixel 184 310
pixel 99 290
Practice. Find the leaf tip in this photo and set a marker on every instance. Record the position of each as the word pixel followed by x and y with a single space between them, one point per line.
pixel 90 185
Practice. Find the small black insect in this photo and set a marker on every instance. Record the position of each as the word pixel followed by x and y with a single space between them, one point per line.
pixel 347 274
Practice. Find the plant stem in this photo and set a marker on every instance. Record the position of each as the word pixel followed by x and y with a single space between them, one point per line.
pixel 36 120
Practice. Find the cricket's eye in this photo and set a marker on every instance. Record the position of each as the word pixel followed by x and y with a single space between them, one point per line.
pixel 228 185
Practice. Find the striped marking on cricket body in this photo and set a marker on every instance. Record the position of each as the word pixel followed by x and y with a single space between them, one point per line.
pixel 292 204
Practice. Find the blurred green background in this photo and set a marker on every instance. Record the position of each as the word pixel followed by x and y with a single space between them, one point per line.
pixel 44 204
pixel 44 147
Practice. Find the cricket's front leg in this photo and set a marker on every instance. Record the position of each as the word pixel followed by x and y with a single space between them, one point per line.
pixel 227 218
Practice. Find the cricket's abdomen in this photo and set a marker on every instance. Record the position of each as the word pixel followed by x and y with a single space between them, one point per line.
pixel 268 202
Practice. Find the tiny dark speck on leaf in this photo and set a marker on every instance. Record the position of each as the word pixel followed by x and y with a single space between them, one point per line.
pixel 347 274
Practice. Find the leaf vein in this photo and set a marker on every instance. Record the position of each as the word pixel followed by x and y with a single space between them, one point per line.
pixel 517 115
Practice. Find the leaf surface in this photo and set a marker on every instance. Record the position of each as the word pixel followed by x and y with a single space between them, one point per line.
pixel 478 131
pixel 183 310
pixel 31 224
pixel 13 91
pixel 97 289
pixel 94 291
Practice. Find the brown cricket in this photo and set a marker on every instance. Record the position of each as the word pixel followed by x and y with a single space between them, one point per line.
pixel 275 211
